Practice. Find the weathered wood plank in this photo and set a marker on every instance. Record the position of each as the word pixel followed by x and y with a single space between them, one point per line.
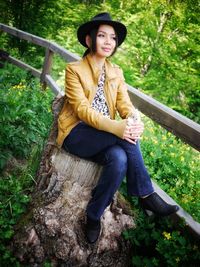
pixel 53 85
pixel 24 66
pixel 46 66
pixel 24 35
pixel 179 125
pixel 65 54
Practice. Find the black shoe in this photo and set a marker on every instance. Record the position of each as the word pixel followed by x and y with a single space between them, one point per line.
pixel 157 205
pixel 93 229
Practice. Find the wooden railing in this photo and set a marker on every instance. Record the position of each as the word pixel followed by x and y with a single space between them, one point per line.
pixel 179 125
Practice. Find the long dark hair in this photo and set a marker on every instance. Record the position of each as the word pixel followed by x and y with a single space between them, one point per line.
pixel 93 36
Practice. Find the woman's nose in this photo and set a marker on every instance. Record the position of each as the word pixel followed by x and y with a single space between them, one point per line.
pixel 107 41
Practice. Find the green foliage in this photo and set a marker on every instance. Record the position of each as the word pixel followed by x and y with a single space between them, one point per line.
pixel 25 118
pixel 14 197
pixel 160 54
pixel 24 114
pixel 173 165
pixel 156 242
pixel 47 264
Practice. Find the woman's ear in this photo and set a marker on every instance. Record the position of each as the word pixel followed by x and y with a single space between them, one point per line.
pixel 88 40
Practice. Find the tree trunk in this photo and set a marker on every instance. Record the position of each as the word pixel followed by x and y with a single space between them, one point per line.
pixel 53 228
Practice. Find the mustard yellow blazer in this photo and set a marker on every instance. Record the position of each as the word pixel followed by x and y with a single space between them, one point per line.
pixel 81 82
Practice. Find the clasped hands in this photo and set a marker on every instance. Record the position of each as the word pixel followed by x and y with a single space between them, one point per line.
pixel 133 131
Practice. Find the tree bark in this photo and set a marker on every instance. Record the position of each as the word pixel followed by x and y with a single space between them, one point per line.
pixel 53 227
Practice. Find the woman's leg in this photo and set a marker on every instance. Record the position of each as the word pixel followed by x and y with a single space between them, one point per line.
pixel 85 141
pixel 138 179
pixel 139 183
pixel 114 162
pixel 100 147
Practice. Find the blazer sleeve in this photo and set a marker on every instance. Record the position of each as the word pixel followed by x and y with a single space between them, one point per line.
pixel 82 108
pixel 123 104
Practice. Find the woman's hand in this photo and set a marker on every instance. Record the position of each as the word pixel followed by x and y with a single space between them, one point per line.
pixel 133 132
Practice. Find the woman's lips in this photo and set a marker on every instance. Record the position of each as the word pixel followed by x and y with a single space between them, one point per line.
pixel 106 49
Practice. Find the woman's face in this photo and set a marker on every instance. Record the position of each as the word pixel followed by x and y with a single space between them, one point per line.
pixel 105 41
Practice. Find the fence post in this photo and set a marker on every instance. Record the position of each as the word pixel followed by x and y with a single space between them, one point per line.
pixel 46 67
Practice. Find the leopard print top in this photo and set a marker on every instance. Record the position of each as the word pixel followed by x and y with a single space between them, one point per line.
pixel 99 101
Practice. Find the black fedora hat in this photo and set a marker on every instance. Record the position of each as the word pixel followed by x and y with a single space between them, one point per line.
pixel 102 18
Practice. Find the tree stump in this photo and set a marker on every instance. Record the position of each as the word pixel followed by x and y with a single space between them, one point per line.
pixel 53 227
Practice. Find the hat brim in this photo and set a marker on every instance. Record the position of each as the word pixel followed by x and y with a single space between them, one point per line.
pixel 85 28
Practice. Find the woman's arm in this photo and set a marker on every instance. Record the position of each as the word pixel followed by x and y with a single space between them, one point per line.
pixel 124 105
pixel 133 129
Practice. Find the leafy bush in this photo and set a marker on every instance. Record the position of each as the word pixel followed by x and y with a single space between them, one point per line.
pixel 15 189
pixel 156 242
pixel 172 78
pixel 159 55
pixel 173 165
pixel 25 114
pixel 25 118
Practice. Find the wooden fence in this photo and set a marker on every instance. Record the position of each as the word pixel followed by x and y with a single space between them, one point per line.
pixel 179 125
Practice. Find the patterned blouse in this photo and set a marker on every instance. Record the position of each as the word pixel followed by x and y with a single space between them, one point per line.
pixel 99 101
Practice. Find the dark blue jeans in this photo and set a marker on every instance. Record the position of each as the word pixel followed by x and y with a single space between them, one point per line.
pixel 119 159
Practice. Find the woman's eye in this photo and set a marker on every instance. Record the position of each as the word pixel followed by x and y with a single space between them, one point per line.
pixel 100 35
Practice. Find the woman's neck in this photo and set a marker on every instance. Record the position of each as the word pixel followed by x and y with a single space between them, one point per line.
pixel 99 61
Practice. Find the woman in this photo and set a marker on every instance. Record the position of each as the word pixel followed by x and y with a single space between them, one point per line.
pixel 95 91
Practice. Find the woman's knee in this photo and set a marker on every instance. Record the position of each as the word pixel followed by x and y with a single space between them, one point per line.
pixel 117 156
